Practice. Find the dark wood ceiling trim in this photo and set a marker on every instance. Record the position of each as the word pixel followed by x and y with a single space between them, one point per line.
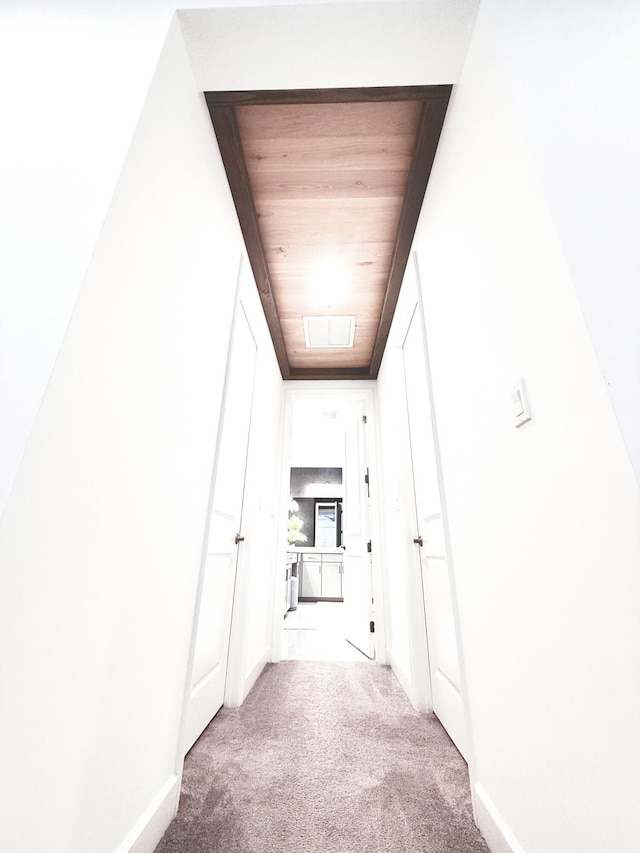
pixel 329 373
pixel 221 107
pixel 226 129
pixel 373 94
pixel 427 137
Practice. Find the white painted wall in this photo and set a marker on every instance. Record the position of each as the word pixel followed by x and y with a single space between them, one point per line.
pixel 544 520
pixel 574 71
pixel 329 44
pixel 69 112
pixel 100 541
pixel 317 438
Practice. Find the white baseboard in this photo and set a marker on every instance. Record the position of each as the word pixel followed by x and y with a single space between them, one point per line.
pixel 257 668
pixel 236 693
pixel 493 828
pixel 401 675
pixel 146 834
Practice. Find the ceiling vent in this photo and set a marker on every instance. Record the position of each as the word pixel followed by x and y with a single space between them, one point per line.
pixel 328 331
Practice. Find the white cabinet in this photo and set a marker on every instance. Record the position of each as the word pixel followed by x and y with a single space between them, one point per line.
pixel 331 578
pixel 311 586
pixel 321 577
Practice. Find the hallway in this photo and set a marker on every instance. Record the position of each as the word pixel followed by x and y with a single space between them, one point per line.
pixel 324 757
pixel 315 631
pixel 125 284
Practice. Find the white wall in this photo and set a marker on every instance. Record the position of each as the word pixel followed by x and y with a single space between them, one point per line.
pixel 100 541
pixel 68 115
pixel 574 71
pixel 317 439
pixel 543 520
pixel 329 44
pixel 69 111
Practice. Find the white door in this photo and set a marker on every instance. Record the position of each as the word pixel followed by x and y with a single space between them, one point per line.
pixel 431 551
pixel 225 515
pixel 356 581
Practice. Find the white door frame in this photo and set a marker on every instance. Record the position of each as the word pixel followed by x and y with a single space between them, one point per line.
pixel 415 270
pixel 201 574
pixel 356 391
pixel 236 655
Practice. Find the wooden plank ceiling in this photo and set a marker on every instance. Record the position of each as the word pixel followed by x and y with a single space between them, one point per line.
pixel 328 186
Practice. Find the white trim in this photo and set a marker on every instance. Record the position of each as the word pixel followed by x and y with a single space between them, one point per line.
pixel 405 682
pixel 492 826
pixel 235 698
pixel 281 543
pixel 149 829
pixel 206 678
pixel 465 742
pixel 257 668
pixel 341 389
pixel 236 652
pixel 375 528
pixel 188 686
pixel 421 694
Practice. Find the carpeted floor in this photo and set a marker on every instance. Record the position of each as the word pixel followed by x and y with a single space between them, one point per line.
pixel 324 758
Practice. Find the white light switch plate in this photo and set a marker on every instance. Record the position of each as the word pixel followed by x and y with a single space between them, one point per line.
pixel 521 408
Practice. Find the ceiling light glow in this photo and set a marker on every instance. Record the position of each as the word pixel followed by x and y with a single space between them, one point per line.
pixel 329 280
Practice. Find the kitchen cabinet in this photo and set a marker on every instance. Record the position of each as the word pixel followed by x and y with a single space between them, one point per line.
pixel 321 577
pixel 331 578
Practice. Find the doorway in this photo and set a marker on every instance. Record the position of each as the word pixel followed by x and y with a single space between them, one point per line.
pixel 327 609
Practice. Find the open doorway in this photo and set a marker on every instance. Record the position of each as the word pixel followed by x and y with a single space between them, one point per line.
pixel 327 606
pixel 314 601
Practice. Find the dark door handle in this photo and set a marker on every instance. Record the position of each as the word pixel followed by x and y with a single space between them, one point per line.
pixel 239 538
pixel 419 541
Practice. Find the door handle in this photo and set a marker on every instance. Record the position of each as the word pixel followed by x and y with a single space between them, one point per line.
pixel 419 541
pixel 239 538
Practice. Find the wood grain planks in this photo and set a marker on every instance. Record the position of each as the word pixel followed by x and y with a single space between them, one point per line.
pixel 329 174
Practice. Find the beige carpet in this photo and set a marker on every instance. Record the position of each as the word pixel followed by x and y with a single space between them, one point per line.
pixel 324 758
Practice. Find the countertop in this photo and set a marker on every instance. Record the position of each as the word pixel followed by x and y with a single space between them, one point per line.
pixel 295 550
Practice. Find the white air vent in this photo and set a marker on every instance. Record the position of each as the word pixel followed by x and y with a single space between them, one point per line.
pixel 329 331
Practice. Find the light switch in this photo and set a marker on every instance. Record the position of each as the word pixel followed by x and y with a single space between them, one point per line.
pixel 521 408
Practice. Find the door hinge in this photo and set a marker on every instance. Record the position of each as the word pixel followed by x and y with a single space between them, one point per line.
pixel 366 480
pixel 364 419
pixel 369 546
pixel 372 627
